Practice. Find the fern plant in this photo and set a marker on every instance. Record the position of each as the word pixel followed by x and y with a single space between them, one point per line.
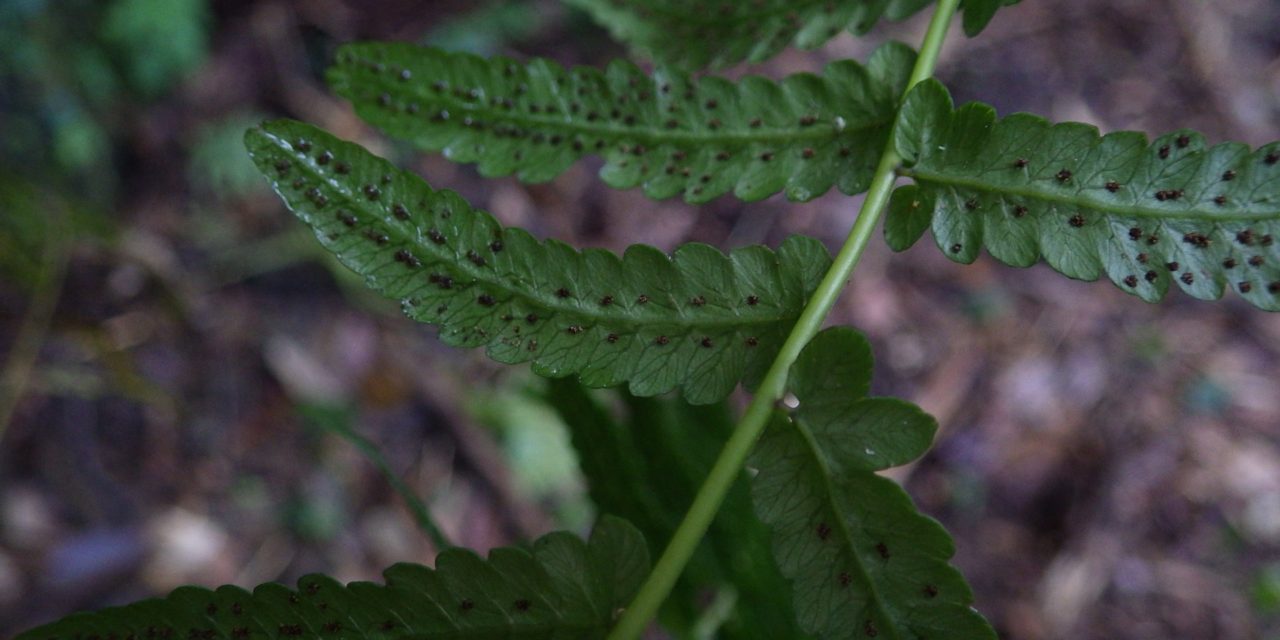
pixel 851 556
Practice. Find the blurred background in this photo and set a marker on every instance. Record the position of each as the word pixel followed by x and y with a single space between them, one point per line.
pixel 181 361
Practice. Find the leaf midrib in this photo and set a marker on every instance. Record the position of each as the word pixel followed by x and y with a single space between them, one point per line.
pixel 821 462
pixel 547 303
pixel 651 135
pixel 1081 201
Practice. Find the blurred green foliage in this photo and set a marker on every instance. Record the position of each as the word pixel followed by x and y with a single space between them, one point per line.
pixel 158 41
pixel 22 232
pixel 339 419
pixel 75 76
pixel 218 163
pixel 1266 589
pixel 489 28
pixel 35 220
pixel 537 447
pixel 74 71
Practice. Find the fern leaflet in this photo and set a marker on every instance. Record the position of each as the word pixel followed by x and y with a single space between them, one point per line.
pixel 1145 215
pixel 978 13
pixel 559 587
pixel 698 320
pixel 862 560
pixel 694 34
pixel 669 133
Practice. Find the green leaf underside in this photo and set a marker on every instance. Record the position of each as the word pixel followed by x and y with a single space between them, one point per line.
pixel 667 132
pixel 1143 214
pixel 647 468
pixel 560 587
pixel 698 320
pixel 694 35
pixel 863 562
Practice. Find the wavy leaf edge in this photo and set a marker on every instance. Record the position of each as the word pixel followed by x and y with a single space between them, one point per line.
pixel 698 319
pixel 858 553
pixel 559 583
pixel 1146 214
pixel 668 132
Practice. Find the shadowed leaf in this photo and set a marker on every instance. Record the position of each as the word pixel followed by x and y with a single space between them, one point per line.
pixel 978 13
pixel 647 468
pixel 558 587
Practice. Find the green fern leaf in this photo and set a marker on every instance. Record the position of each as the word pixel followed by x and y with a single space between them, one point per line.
pixel 694 35
pixel 647 468
pixel 978 13
pixel 862 560
pixel 698 320
pixel 559 587
pixel 669 133
pixel 1145 215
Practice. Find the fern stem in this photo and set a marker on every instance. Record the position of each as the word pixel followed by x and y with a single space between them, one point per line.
pixel 727 467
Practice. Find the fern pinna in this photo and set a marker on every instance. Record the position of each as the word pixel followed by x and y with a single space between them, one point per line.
pixel 1144 214
pixel 851 556
pixel 698 319
pixel 667 132
pixel 860 556
pixel 698 34
pixel 559 587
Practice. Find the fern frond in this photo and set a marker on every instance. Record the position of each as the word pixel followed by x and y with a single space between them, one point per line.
pixel 693 35
pixel 862 560
pixel 1144 214
pixel 669 133
pixel 698 320
pixel 559 587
